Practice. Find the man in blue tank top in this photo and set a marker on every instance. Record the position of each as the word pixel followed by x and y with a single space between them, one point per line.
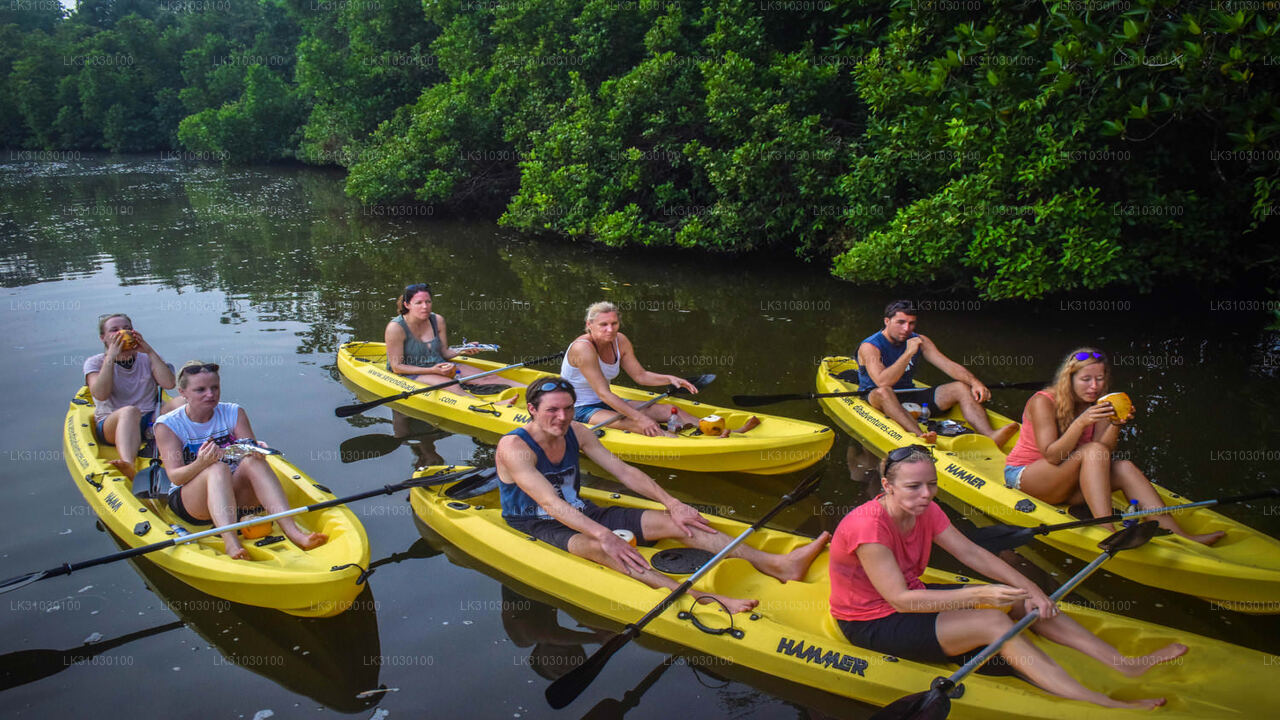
pixel 538 467
pixel 887 364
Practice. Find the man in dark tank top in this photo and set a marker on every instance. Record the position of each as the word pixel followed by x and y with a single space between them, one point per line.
pixel 886 366
pixel 538 468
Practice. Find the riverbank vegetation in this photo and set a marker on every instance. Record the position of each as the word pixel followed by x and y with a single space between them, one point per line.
pixel 1017 148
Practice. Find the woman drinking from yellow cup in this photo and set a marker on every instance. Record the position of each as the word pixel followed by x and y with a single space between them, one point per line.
pixel 1069 432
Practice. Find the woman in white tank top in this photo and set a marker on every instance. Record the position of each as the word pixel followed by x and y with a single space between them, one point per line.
pixel 595 358
pixel 191 440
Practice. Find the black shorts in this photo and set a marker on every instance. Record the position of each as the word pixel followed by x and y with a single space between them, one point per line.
pixel 920 396
pixel 554 532
pixel 913 636
pixel 175 504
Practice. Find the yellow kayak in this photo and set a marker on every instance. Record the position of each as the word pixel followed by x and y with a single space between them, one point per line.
pixel 1240 572
pixel 777 445
pixel 278 574
pixel 792 636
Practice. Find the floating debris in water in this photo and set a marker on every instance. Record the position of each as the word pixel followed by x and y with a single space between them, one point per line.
pixel 375 691
pixel 93 638
pixel 379 714
pixel 262 715
pixel 86 587
pixel 65 532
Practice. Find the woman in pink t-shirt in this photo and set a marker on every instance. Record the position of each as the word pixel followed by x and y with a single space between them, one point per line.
pixel 1064 454
pixel 877 556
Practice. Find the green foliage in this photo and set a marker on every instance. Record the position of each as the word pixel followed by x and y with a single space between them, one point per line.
pixel 1014 149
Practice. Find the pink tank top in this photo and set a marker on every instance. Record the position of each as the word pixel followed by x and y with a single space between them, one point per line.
pixel 1025 450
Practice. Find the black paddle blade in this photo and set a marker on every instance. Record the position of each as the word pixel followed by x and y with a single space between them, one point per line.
pixel 440 479
pixel 698 381
pixel 995 538
pixel 364 447
pixel 20 581
pixel 569 686
pixel 931 705
pixel 1130 537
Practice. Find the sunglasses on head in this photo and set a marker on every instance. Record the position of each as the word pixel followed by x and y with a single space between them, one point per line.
pixel 900 454
pixel 1086 355
pixel 550 385
pixel 198 368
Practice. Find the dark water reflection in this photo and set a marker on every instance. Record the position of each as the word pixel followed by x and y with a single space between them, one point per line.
pixel 266 270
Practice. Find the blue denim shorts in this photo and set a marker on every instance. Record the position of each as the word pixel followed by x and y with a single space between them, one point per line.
pixel 583 413
pixel 1013 476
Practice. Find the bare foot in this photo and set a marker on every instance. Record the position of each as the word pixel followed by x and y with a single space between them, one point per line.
pixel 506 403
pixel 306 541
pixel 1147 704
pixel 1207 538
pixel 126 468
pixel 233 547
pixel 930 437
pixel 735 605
pixel 1136 666
pixel 795 564
pixel 750 424
pixel 1001 435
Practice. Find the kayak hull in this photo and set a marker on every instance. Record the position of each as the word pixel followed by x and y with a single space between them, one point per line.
pixel 278 574
pixel 792 636
pixel 1241 572
pixel 778 445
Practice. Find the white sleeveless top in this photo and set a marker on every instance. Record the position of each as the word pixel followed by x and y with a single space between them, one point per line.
pixel 221 428
pixel 582 388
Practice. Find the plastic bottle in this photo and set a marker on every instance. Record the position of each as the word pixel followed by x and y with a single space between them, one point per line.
pixel 673 422
pixel 1133 507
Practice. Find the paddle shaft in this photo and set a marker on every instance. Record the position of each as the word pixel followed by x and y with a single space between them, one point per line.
pixel 68 568
pixel 977 660
pixel 618 416
pixel 750 400
pixel 563 690
pixel 348 410
pixel 1116 517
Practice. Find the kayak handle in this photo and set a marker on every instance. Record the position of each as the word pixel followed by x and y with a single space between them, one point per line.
pixel 731 631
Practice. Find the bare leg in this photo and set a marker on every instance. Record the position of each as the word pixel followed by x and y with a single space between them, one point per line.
pixel 886 401
pixel 791 566
pixel 1095 477
pixel 747 426
pixel 437 379
pixel 211 495
pixel 962 630
pixel 1053 483
pixel 121 429
pixel 952 393
pixel 1126 477
pixel 267 490
pixel 1064 630
pixel 587 547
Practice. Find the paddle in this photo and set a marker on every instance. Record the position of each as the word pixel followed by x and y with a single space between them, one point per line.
pixel 372 445
pixel 934 704
pixel 995 538
pixel 698 381
pixel 25 666
pixel 754 400
pixel 349 410
pixel 14 583
pixel 569 686
pixel 611 708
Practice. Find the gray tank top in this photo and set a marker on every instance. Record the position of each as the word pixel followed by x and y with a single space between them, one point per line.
pixel 416 352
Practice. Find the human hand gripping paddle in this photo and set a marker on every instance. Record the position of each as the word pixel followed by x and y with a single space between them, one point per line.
pixel 14 583
pixel 995 538
pixel 698 381
pixel 754 400
pixel 349 410
pixel 934 704
pixel 569 686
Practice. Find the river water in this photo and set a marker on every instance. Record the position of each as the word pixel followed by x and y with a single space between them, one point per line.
pixel 266 271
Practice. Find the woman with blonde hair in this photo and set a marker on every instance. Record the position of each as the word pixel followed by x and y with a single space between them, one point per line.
pixel 1064 454
pixel 596 357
